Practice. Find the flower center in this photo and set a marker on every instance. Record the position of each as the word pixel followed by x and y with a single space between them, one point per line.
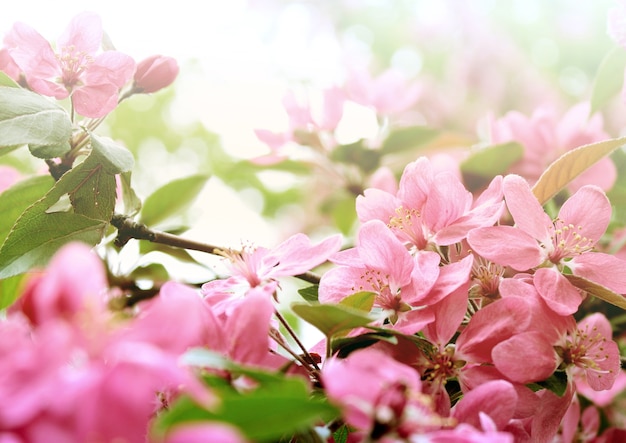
pixel 441 366
pixel 486 278
pixel 73 64
pixel 585 349
pixel 407 223
pixel 567 241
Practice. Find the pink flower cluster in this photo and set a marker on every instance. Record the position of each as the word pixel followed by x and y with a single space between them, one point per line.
pixel 77 68
pixel 491 305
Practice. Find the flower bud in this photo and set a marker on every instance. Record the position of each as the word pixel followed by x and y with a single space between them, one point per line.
pixel 154 73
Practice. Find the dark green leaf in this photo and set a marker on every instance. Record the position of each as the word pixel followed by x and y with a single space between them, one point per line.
pixel 171 199
pixel 609 78
pixel 407 138
pixel 310 293
pixel 28 118
pixel 556 383
pixel 331 319
pixel 343 346
pixel 280 405
pixel 485 163
pixel 341 434
pixel 41 229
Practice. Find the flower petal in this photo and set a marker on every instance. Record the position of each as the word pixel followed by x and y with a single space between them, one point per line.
pixel 528 214
pixel 507 246
pixel 559 294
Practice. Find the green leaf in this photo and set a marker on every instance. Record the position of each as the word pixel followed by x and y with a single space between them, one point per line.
pixel 484 164
pixel 556 383
pixel 93 193
pixel 343 346
pixel 49 151
pixel 20 196
pixel 115 158
pixel 28 118
pixel 132 203
pixel 331 319
pixel 597 290
pixel 341 434
pixel 5 80
pixel 171 199
pixel 609 78
pixel 281 405
pixel 570 165
pixel 407 138
pixel 41 230
pixel 310 293
pixel 10 290
pixel 363 301
pixel 355 153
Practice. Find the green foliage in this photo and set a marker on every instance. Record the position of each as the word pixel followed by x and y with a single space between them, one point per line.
pixel 5 80
pixel 20 196
pixel 609 78
pixel 410 137
pixel 279 405
pixel 27 118
pixel 48 223
pixel 10 290
pixel 570 165
pixel 556 383
pixel 484 164
pixel 358 154
pixel 310 293
pixel 171 199
pixel 332 319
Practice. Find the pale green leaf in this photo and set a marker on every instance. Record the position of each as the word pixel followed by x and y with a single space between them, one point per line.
pixel 5 80
pixel 609 78
pixel 132 203
pixel 363 301
pixel 115 158
pixel 485 163
pixel 49 151
pixel 570 165
pixel 409 137
pixel 171 199
pixel 28 118
pixel 597 290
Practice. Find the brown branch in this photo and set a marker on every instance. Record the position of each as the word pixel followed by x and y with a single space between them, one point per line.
pixel 128 229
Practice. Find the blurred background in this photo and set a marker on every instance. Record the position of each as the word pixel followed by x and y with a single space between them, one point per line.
pixel 445 66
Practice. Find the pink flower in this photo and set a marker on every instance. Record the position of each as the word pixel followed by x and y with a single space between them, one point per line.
pixel 8 66
pixel 261 267
pixel 389 93
pixel 76 69
pixel 549 246
pixel 154 73
pixel 545 138
pixel 378 394
pixel 431 208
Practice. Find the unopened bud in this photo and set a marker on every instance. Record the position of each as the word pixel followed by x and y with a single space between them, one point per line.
pixel 154 73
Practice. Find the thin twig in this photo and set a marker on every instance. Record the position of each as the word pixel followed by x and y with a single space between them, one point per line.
pixel 293 334
pixel 128 229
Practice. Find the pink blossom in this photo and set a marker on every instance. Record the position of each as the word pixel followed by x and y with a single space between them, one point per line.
pixel 59 294
pixel 545 138
pixel 548 246
pixel 381 264
pixel 8 66
pixel 261 267
pixel 389 93
pixel 375 391
pixel 76 69
pixel 617 23
pixel 431 208
pixel 154 73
